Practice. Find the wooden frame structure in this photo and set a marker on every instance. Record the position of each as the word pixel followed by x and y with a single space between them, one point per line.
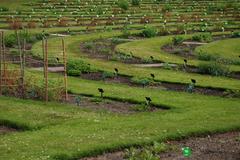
pixel 21 43
pixel 45 50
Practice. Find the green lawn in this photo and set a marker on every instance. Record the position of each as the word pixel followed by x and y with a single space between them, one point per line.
pixel 73 132
pixel 152 47
pixel 227 49
pixel 73 51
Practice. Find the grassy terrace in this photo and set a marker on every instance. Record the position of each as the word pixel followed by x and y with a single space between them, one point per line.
pixel 61 131
pixel 228 49
pixel 152 47
pixel 73 50
pixel 69 132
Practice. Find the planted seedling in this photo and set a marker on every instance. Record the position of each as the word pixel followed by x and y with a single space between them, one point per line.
pixel 57 59
pixel 152 59
pixel 148 100
pixel 153 76
pixel 193 81
pixel 185 63
pixel 101 91
pixel 78 100
pixel 191 86
pixel 116 71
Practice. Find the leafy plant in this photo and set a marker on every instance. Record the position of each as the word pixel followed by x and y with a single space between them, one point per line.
pixel 76 67
pixel 125 31
pixel 123 4
pixel 10 40
pixel 149 32
pixel 206 57
pixel 214 68
pixel 203 37
pixel 135 2
pixel 141 81
pixel 176 40
pixel 107 75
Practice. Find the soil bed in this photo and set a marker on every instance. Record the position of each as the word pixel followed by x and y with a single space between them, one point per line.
pixel 157 85
pixel 224 146
pixel 6 130
pixel 99 104
pixel 105 49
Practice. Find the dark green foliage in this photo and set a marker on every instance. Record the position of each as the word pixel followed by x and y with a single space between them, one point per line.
pixel 176 40
pixel 125 31
pixel 149 32
pixel 107 75
pixel 141 81
pixel 10 40
pixel 76 67
pixel 123 4
pixel 206 57
pixel 135 2
pixel 3 9
pixel 214 68
pixel 204 37
pixel 236 34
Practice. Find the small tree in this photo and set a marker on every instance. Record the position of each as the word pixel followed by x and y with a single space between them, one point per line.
pixel 135 2
pixel 123 4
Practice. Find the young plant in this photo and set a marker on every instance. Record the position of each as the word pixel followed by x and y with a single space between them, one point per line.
pixel 78 100
pixel 101 91
pixel 149 32
pixel 176 40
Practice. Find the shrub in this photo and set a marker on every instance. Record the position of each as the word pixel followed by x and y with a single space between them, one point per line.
pixel 206 57
pixel 10 40
pixel 123 4
pixel 3 9
pixel 149 32
pixel 107 75
pixel 236 34
pixel 214 68
pixel 76 67
pixel 207 37
pixel 125 32
pixel 176 40
pixel 135 2
pixel 141 81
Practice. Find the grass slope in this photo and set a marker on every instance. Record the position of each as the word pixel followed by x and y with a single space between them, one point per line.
pixel 73 51
pixel 90 133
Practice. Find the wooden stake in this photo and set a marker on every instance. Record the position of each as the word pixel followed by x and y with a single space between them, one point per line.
pixel 65 69
pixel 1 49
pixel 46 70
pixel 3 58
pixel 21 63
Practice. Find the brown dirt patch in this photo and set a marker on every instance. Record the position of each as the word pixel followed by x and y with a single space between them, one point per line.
pixel 157 85
pixel 105 49
pixel 99 104
pixel 224 146
pixel 6 130
pixel 217 147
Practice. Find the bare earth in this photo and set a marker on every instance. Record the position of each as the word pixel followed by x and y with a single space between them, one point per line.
pixel 213 147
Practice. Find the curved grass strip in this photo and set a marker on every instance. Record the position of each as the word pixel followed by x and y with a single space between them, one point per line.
pixel 228 49
pixel 152 47
pixel 73 50
pixel 93 133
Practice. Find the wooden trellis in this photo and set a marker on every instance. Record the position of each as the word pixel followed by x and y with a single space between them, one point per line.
pixel 10 74
pixel 45 49
pixel 15 64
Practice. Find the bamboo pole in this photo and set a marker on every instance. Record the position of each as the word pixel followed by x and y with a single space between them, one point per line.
pixel 46 70
pixel 3 57
pixel 1 49
pixel 65 69
pixel 21 63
